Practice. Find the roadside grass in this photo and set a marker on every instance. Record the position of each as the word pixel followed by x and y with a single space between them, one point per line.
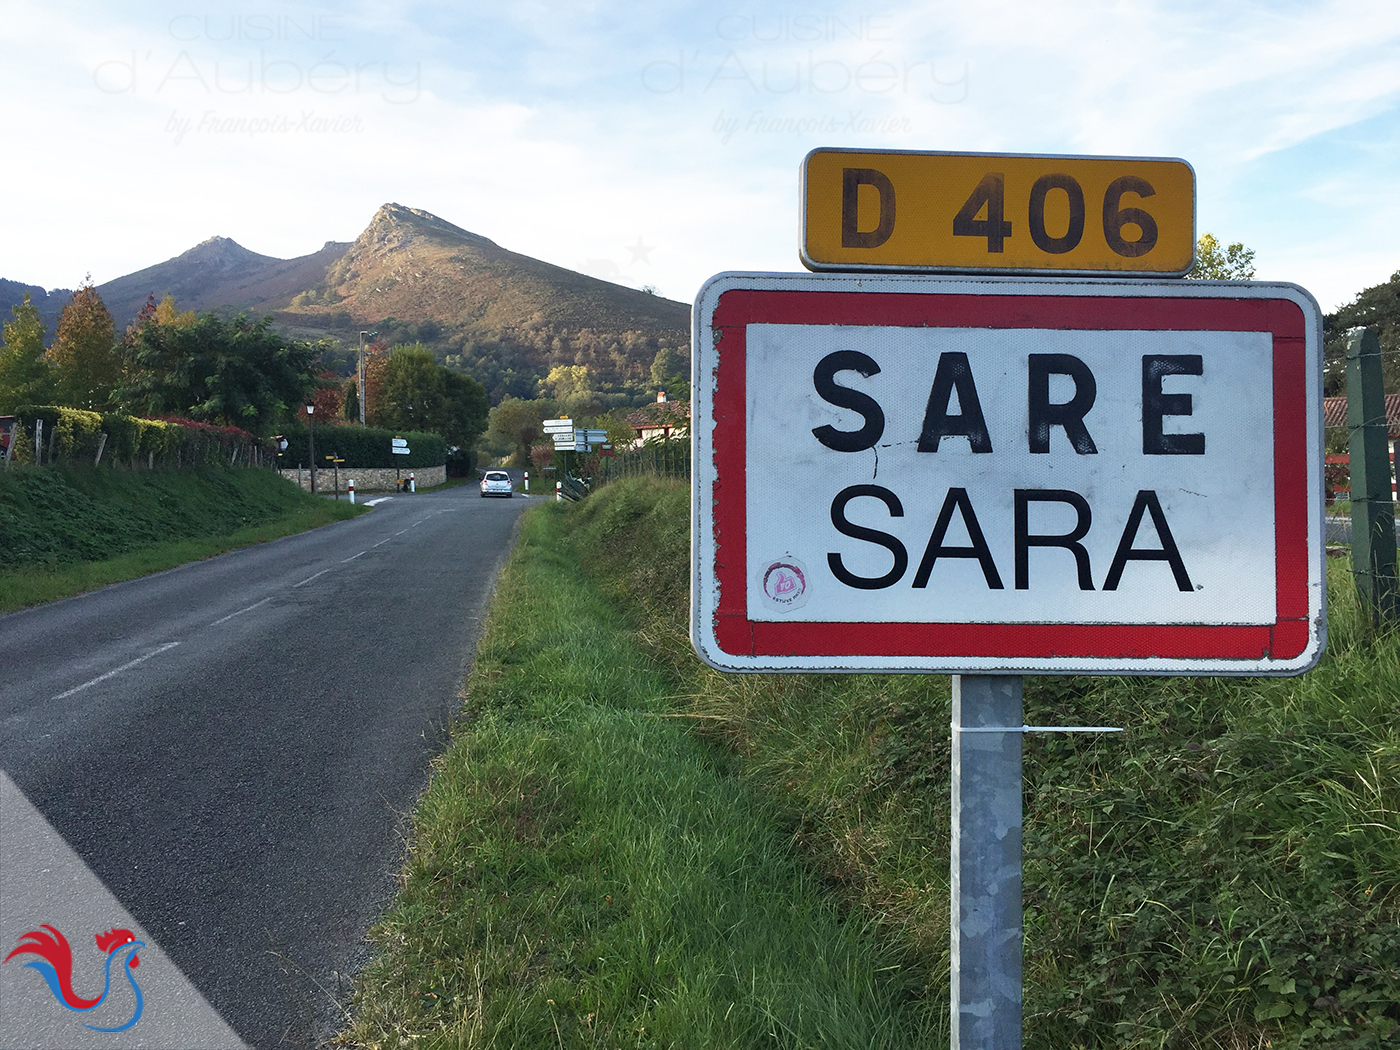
pixel 67 530
pixel 1223 875
pixel 585 872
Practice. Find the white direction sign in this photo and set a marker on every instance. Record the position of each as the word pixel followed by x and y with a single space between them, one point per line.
pixel 1005 475
pixel 558 426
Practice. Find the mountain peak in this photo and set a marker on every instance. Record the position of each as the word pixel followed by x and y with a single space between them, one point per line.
pixel 393 224
pixel 221 253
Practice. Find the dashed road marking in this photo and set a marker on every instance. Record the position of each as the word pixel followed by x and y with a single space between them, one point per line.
pixel 116 671
pixel 240 612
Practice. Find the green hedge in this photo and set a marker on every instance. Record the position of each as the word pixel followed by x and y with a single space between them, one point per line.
pixel 363 447
pixel 73 434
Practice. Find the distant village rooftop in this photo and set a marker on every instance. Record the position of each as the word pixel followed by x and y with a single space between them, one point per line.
pixel 663 419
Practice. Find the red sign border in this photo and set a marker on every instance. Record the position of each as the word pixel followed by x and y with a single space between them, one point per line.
pixel 1288 639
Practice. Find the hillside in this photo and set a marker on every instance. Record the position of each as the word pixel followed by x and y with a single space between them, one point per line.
pixel 219 274
pixel 411 265
pixel 49 302
pixel 505 318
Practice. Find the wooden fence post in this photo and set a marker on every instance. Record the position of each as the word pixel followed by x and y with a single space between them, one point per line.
pixel 1372 504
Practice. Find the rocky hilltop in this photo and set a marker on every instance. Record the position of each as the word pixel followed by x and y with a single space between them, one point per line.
pixel 410 264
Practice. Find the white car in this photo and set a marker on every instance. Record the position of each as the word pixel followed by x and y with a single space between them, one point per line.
pixel 496 483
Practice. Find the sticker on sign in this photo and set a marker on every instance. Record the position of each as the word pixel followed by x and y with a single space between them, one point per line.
pixel 1007 475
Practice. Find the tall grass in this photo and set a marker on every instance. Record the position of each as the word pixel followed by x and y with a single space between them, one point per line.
pixel 1225 874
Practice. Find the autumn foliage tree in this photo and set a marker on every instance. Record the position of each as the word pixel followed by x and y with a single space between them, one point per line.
pixel 86 357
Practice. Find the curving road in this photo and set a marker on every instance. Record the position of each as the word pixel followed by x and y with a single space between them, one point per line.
pixel 230 748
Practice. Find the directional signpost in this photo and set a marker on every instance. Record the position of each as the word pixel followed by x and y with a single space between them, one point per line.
pixel 398 446
pixel 993 475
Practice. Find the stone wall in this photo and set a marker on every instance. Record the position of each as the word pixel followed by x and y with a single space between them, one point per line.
pixel 367 479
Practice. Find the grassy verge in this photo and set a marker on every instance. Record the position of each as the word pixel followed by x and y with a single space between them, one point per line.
pixel 586 872
pixel 64 530
pixel 1224 875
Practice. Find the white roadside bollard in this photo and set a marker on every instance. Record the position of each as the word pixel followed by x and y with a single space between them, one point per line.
pixel 527 483
pixel 412 483
pixel 352 490
pixel 558 492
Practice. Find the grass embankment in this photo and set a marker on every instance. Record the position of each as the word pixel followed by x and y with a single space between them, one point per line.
pixel 64 530
pixel 623 848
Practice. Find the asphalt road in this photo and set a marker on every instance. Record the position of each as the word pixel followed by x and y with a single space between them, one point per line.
pixel 231 746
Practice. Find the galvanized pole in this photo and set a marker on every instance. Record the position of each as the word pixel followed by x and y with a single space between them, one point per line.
pixel 1372 503
pixel 986 863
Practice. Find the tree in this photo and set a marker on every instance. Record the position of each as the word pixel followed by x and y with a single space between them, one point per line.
pixel 24 370
pixel 328 397
pixel 1233 263
pixel 413 396
pixel 466 411
pixel 520 423
pixel 165 313
pixel 419 394
pixel 1378 308
pixel 239 372
pixel 352 399
pixel 670 371
pixel 87 360
pixel 376 367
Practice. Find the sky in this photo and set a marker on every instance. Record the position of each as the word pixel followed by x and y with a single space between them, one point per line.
pixel 659 143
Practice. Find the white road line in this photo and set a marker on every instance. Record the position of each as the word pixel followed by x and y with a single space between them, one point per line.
pixel 400 532
pixel 240 612
pixel 117 671
pixel 381 499
pixel 382 542
pixel 351 558
pixel 310 578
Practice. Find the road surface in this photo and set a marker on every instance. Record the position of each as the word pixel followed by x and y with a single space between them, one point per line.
pixel 230 749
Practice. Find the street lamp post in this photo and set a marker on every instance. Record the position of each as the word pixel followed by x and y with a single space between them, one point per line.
pixel 360 374
pixel 311 441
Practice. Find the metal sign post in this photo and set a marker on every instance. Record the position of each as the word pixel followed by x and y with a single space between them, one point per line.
pixel 985 870
pixel 985 863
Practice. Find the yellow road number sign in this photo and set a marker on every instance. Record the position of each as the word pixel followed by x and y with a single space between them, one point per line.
pixel 960 212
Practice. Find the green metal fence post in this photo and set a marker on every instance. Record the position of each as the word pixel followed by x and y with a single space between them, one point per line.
pixel 1372 503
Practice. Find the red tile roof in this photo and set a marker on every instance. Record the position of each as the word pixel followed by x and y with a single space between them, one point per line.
pixel 660 414
pixel 1334 413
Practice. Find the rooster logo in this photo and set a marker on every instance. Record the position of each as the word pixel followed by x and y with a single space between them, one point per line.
pixel 55 965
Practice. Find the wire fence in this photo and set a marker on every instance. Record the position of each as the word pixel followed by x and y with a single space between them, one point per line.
pixel 660 459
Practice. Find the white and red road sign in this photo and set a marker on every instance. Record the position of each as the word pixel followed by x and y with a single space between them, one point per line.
pixel 999 475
